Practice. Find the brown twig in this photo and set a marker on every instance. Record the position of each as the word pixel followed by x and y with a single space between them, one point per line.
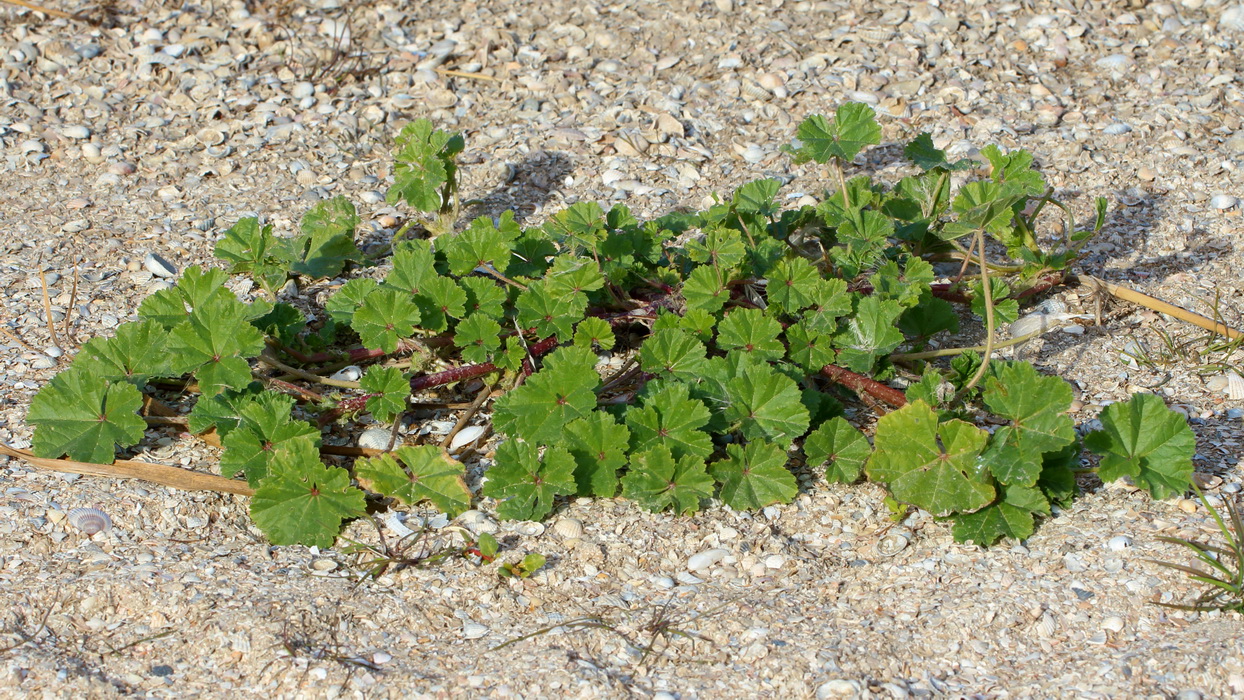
pixel 45 10
pixel 13 337
pixel 471 76
pixel 267 359
pixel 73 300
pixel 468 414
pixel 1128 294
pixel 163 474
pixel 47 310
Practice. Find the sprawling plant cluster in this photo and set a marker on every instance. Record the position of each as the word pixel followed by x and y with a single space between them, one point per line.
pixel 743 328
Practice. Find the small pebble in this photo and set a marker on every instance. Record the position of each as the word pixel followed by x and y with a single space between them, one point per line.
pixel 323 565
pixel 381 657
pixel 1147 174
pixel 158 266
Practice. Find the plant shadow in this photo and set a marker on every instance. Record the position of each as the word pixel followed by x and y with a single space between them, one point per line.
pixel 527 187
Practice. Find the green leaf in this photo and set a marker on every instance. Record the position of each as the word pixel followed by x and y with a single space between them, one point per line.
pixel 673 353
pixel 870 334
pixel 482 244
pixel 440 300
pixel 670 417
pixel 138 352
pixel 929 317
pixel 327 241
pixel 253 250
pixel 1144 439
pixel 570 276
pixel 766 405
pixel 224 410
pixel 905 287
pixel 830 300
pixel 863 236
pixel 1014 171
pixel 478 337
pixel 85 417
pixel 854 127
pixel 930 466
pixel 303 501
pixel 704 290
pixel 793 285
pixel 598 444
pixel 809 349
pixel 425 163
pixel 530 253
pixel 926 156
pixel 197 289
pixel 657 481
pixel 722 247
pixel 749 330
pixel 488 546
pixel 1005 310
pixel 755 476
pixel 342 304
pixel 1036 407
pixel 414 266
pixel 265 428
pixel 594 332
pixel 581 226
pixel 539 409
pixel 981 205
pixel 992 523
pixel 484 297
pixel 386 316
pixel 212 344
pixel 757 197
pixel 840 448
pixel 1058 474
pixel 525 484
pixel 548 312
pixel 391 388
pixel 429 474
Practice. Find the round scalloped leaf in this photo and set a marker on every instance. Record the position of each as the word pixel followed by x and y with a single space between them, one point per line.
pixel 527 485
pixel 80 415
pixel 1144 439
pixel 840 448
pixel 1036 406
pixel 390 387
pixel 598 444
pixel 755 476
pixel 430 473
pixel 656 481
pixel 931 466
pixel 302 501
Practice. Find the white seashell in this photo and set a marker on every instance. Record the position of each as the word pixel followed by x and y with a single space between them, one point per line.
pixel 1117 129
pixel 775 561
pixel 1232 18
pixel 210 137
pixel 474 630
pixel 76 131
pixel 158 266
pixel 1114 62
pixel 466 436
pixel 348 374
pixel 1046 626
pixel 477 522
pixel 1114 623
pixel 893 543
pixel 89 520
pixel 1223 202
pixel 530 529
pixel 393 521
pixel 705 559
pixel 375 438
pixel 568 528
pixel 1051 306
pixel 1119 543
pixel 1235 386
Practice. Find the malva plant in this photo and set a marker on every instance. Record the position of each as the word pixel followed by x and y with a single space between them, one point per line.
pixel 743 328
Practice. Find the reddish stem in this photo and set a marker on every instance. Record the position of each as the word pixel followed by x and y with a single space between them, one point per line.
pixel 458 374
pixel 863 385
